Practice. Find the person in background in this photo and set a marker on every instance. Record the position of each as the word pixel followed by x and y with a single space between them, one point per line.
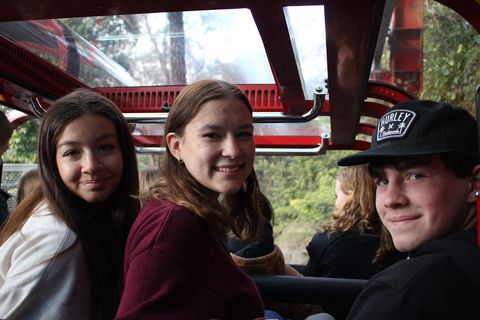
pixel 147 179
pixel 261 246
pixel 348 244
pixel 176 266
pixel 61 249
pixel 28 182
pixel 6 131
pixel 424 160
pixel 263 257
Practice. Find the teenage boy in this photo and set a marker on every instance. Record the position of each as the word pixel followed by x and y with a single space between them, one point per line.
pixel 425 163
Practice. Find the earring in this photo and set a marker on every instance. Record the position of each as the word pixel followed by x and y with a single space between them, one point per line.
pixel 477 194
pixel 180 161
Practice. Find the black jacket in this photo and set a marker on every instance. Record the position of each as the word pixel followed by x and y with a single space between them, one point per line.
pixel 441 280
pixel 3 206
pixel 345 255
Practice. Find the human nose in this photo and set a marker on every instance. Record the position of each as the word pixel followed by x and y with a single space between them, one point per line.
pixel 231 148
pixel 393 196
pixel 91 162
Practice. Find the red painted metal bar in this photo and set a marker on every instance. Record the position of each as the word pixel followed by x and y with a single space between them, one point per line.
pixel 366 128
pixel 260 141
pixel 263 97
pixel 280 53
pixel 374 109
pixel 357 145
pixel 33 73
pixel 351 32
pixel 407 45
pixel 386 96
pixel 387 92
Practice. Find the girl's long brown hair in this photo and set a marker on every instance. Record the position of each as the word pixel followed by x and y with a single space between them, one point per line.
pixel 102 230
pixel 239 212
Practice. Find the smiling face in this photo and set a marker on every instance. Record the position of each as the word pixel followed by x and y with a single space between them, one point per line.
pixel 89 158
pixel 217 146
pixel 416 203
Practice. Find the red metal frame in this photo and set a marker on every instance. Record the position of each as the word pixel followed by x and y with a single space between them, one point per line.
pixel 32 73
pixel 351 32
pixel 263 97
pixel 358 39
pixel 388 92
pixel 260 141
pixel 384 95
pixel 406 46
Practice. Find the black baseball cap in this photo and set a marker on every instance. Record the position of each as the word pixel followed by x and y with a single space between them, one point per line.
pixel 420 127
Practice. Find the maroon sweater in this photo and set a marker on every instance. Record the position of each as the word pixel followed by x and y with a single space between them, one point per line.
pixel 175 269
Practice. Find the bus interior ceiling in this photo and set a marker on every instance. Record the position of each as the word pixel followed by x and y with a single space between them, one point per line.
pixel 354 36
pixel 354 88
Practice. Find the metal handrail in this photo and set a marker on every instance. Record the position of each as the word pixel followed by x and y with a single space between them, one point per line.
pixel 259 151
pixel 258 117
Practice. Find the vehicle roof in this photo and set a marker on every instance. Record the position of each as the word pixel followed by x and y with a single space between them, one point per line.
pixel 351 33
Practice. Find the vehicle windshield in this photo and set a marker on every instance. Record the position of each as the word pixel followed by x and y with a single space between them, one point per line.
pixel 145 49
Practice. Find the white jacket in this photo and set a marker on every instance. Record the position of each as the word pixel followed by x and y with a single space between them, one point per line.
pixel 43 272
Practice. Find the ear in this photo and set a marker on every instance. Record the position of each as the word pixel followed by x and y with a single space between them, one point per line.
pixel 475 184
pixel 173 143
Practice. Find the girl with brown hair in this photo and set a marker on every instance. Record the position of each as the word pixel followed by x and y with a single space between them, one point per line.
pixel 61 249
pixel 176 266
pixel 348 244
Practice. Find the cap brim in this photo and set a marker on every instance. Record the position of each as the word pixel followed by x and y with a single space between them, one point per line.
pixel 387 151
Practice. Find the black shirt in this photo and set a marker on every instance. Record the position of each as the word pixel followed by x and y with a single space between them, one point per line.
pixel 345 255
pixel 3 206
pixel 441 280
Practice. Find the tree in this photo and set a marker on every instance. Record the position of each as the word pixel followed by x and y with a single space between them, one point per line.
pixel 23 144
pixel 299 188
pixel 107 28
pixel 177 48
pixel 451 57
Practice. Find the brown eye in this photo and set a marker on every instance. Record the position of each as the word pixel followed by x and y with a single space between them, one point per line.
pixel 245 134
pixel 211 135
pixel 70 153
pixel 107 147
pixel 380 181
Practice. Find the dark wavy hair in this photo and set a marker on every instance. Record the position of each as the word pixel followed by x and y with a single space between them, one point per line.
pixel 101 231
pixel 239 212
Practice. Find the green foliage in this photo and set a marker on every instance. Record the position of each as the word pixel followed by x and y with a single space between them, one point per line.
pixel 451 57
pixel 299 188
pixel 23 144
